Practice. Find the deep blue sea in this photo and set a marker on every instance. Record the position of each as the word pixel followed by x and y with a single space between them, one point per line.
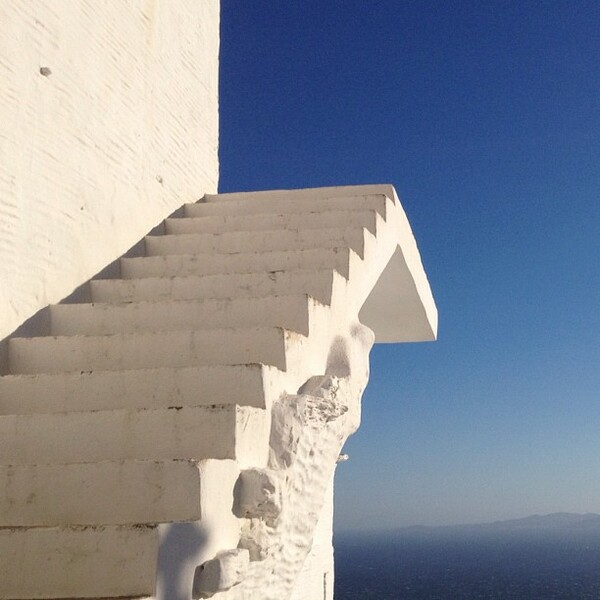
pixel 459 565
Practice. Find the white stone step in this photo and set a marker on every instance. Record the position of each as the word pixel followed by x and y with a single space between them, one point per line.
pixel 141 434
pixel 185 265
pixel 79 562
pixel 149 349
pixel 248 385
pixel 286 204
pixel 105 493
pixel 303 194
pixel 315 283
pixel 291 312
pixel 265 222
pixel 235 242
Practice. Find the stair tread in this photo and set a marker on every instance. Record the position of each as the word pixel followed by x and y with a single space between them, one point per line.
pixel 99 493
pixel 176 303
pixel 317 283
pixel 255 242
pixel 283 203
pixel 223 330
pixel 189 432
pixel 267 221
pixel 291 311
pixel 241 262
pixel 249 384
pixel 78 562
pixel 150 349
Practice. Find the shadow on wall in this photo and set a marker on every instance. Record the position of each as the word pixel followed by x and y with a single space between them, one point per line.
pixel 179 553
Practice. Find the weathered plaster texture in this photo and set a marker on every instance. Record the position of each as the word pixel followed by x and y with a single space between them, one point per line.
pixel 108 122
pixel 317 575
pixel 308 432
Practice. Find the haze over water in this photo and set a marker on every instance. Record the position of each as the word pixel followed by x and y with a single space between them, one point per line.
pixel 554 557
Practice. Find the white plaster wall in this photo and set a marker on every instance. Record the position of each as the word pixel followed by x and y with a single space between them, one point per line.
pixel 315 581
pixel 122 130
pixel 184 546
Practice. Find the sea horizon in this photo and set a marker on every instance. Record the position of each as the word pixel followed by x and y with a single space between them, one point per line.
pixel 539 557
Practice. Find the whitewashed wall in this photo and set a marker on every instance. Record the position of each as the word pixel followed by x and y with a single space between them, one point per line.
pixel 315 581
pixel 119 129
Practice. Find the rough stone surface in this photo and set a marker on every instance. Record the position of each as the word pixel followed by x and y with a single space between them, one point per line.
pixel 308 432
pixel 259 494
pixel 221 573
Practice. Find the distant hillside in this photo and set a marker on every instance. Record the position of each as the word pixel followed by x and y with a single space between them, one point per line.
pixel 556 524
pixel 559 522
pixel 553 521
pixel 535 558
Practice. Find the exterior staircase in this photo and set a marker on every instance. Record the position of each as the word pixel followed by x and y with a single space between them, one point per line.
pixel 159 397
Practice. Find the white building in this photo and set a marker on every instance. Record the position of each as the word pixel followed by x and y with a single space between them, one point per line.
pixel 172 406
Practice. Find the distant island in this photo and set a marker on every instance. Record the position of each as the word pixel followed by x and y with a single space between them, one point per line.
pixel 561 523
pixel 553 522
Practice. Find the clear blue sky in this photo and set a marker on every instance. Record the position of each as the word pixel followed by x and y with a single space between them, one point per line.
pixel 486 118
